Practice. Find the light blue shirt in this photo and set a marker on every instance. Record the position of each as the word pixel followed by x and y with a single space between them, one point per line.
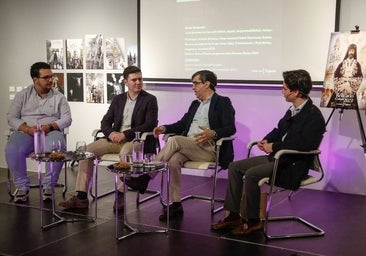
pixel 28 107
pixel 294 112
pixel 200 118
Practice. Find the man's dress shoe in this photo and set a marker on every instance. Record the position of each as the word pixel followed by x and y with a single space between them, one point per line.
pixel 175 210
pixel 247 228
pixel 139 183
pixel 226 223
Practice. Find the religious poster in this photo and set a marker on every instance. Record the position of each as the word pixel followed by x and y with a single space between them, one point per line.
pixel 58 82
pixel 74 54
pixel 115 53
pixel 94 87
pixel 94 54
pixel 344 82
pixel 55 53
pixel 75 90
pixel 115 85
pixel 132 55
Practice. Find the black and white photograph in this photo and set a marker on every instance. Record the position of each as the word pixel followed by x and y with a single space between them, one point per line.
pixel 55 53
pixel 115 53
pixel 74 54
pixel 94 56
pixel 75 87
pixel 94 87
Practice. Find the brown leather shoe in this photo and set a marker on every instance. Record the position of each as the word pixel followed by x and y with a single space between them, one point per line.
pixel 226 223
pixel 75 203
pixel 119 203
pixel 246 228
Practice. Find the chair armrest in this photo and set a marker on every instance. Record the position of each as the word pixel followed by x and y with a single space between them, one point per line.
pixel 166 136
pixel 250 147
pixel 145 134
pixel 95 133
pixel 220 141
pixel 8 132
pixel 66 131
pixel 251 144
pixel 297 152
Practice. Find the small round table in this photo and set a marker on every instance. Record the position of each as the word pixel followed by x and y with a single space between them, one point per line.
pixel 69 157
pixel 133 171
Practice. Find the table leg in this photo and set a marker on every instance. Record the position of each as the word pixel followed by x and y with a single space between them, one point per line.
pixel 60 219
pixel 125 222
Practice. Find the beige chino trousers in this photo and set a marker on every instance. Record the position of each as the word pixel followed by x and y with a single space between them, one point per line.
pixel 98 148
pixel 177 151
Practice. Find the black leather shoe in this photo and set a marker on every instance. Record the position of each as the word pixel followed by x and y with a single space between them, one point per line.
pixel 175 210
pixel 139 183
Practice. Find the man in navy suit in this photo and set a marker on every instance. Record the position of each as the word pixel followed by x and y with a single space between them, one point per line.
pixel 133 111
pixel 301 128
pixel 208 119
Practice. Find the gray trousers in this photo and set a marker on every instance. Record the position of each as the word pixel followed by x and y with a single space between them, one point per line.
pixel 254 169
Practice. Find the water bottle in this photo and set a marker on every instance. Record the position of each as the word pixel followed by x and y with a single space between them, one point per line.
pixel 39 142
pixel 137 150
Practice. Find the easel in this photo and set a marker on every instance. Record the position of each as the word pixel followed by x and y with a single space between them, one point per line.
pixel 362 131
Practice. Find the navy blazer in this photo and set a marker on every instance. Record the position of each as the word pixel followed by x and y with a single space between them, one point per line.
pixel 221 117
pixel 144 117
pixel 303 132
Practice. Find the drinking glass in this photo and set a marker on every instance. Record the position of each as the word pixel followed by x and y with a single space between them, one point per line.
pixel 149 158
pixel 56 146
pixel 80 147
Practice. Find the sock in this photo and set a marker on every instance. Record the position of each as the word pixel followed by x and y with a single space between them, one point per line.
pixel 253 221
pixel 82 195
pixel 233 216
pixel 176 204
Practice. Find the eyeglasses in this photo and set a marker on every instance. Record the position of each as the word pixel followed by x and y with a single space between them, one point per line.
pixel 47 77
pixel 197 83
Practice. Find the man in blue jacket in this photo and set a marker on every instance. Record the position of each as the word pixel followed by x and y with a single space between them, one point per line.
pixel 208 119
pixel 301 128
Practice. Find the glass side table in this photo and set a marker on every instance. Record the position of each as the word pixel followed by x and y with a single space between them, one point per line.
pixel 69 157
pixel 133 171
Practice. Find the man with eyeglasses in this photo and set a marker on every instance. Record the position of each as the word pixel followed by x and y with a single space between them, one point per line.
pixel 209 118
pixel 41 103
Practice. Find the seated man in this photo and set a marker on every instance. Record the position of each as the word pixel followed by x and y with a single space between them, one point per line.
pixel 41 103
pixel 208 119
pixel 301 128
pixel 129 112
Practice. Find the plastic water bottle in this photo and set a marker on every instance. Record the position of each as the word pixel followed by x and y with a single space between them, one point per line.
pixel 137 150
pixel 39 142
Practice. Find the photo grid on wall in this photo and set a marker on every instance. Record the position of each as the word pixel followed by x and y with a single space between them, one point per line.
pixel 344 83
pixel 90 69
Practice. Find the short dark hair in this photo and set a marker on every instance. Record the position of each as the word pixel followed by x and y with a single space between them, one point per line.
pixel 207 75
pixel 34 70
pixel 130 70
pixel 298 80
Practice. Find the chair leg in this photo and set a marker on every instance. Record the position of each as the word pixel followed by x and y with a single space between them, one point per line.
pixel 9 186
pixel 211 198
pixel 316 231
